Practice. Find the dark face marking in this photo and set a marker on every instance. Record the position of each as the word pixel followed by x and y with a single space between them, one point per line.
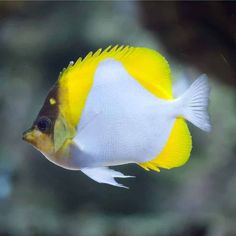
pixel 49 112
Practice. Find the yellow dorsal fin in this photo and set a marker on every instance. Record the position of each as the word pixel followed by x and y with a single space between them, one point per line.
pixel 147 66
pixel 176 151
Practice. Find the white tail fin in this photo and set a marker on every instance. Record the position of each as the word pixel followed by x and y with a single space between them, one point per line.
pixel 194 103
pixel 105 175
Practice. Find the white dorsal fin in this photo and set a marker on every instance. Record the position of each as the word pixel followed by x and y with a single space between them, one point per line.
pixel 105 175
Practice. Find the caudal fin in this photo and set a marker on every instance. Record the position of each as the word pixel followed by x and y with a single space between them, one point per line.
pixel 194 103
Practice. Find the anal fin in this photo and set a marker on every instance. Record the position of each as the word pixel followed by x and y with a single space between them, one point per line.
pixel 176 151
pixel 105 175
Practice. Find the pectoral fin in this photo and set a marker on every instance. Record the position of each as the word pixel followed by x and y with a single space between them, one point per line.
pixel 60 134
pixel 105 175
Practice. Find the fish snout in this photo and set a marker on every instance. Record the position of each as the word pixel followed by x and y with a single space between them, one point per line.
pixel 28 136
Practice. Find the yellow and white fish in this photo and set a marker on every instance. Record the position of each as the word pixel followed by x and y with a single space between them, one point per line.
pixel 116 107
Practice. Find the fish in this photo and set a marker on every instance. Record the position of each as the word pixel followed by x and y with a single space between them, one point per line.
pixel 115 107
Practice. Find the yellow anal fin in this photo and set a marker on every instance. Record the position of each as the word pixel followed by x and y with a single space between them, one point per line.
pixel 176 151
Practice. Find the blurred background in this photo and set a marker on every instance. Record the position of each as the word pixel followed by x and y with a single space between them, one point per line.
pixel 37 198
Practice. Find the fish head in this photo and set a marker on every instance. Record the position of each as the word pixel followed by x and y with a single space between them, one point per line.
pixel 49 130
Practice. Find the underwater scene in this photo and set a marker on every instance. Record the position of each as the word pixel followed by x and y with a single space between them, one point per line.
pixel 118 118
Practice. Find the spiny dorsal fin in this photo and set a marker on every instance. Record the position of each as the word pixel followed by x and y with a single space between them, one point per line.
pixel 117 51
pixel 145 65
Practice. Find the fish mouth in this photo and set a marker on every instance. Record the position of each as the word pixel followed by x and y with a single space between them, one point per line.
pixel 28 136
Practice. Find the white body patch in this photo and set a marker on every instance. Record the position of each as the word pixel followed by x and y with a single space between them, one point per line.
pixel 122 122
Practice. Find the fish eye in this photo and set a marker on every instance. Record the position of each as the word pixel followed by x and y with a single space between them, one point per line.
pixel 44 124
